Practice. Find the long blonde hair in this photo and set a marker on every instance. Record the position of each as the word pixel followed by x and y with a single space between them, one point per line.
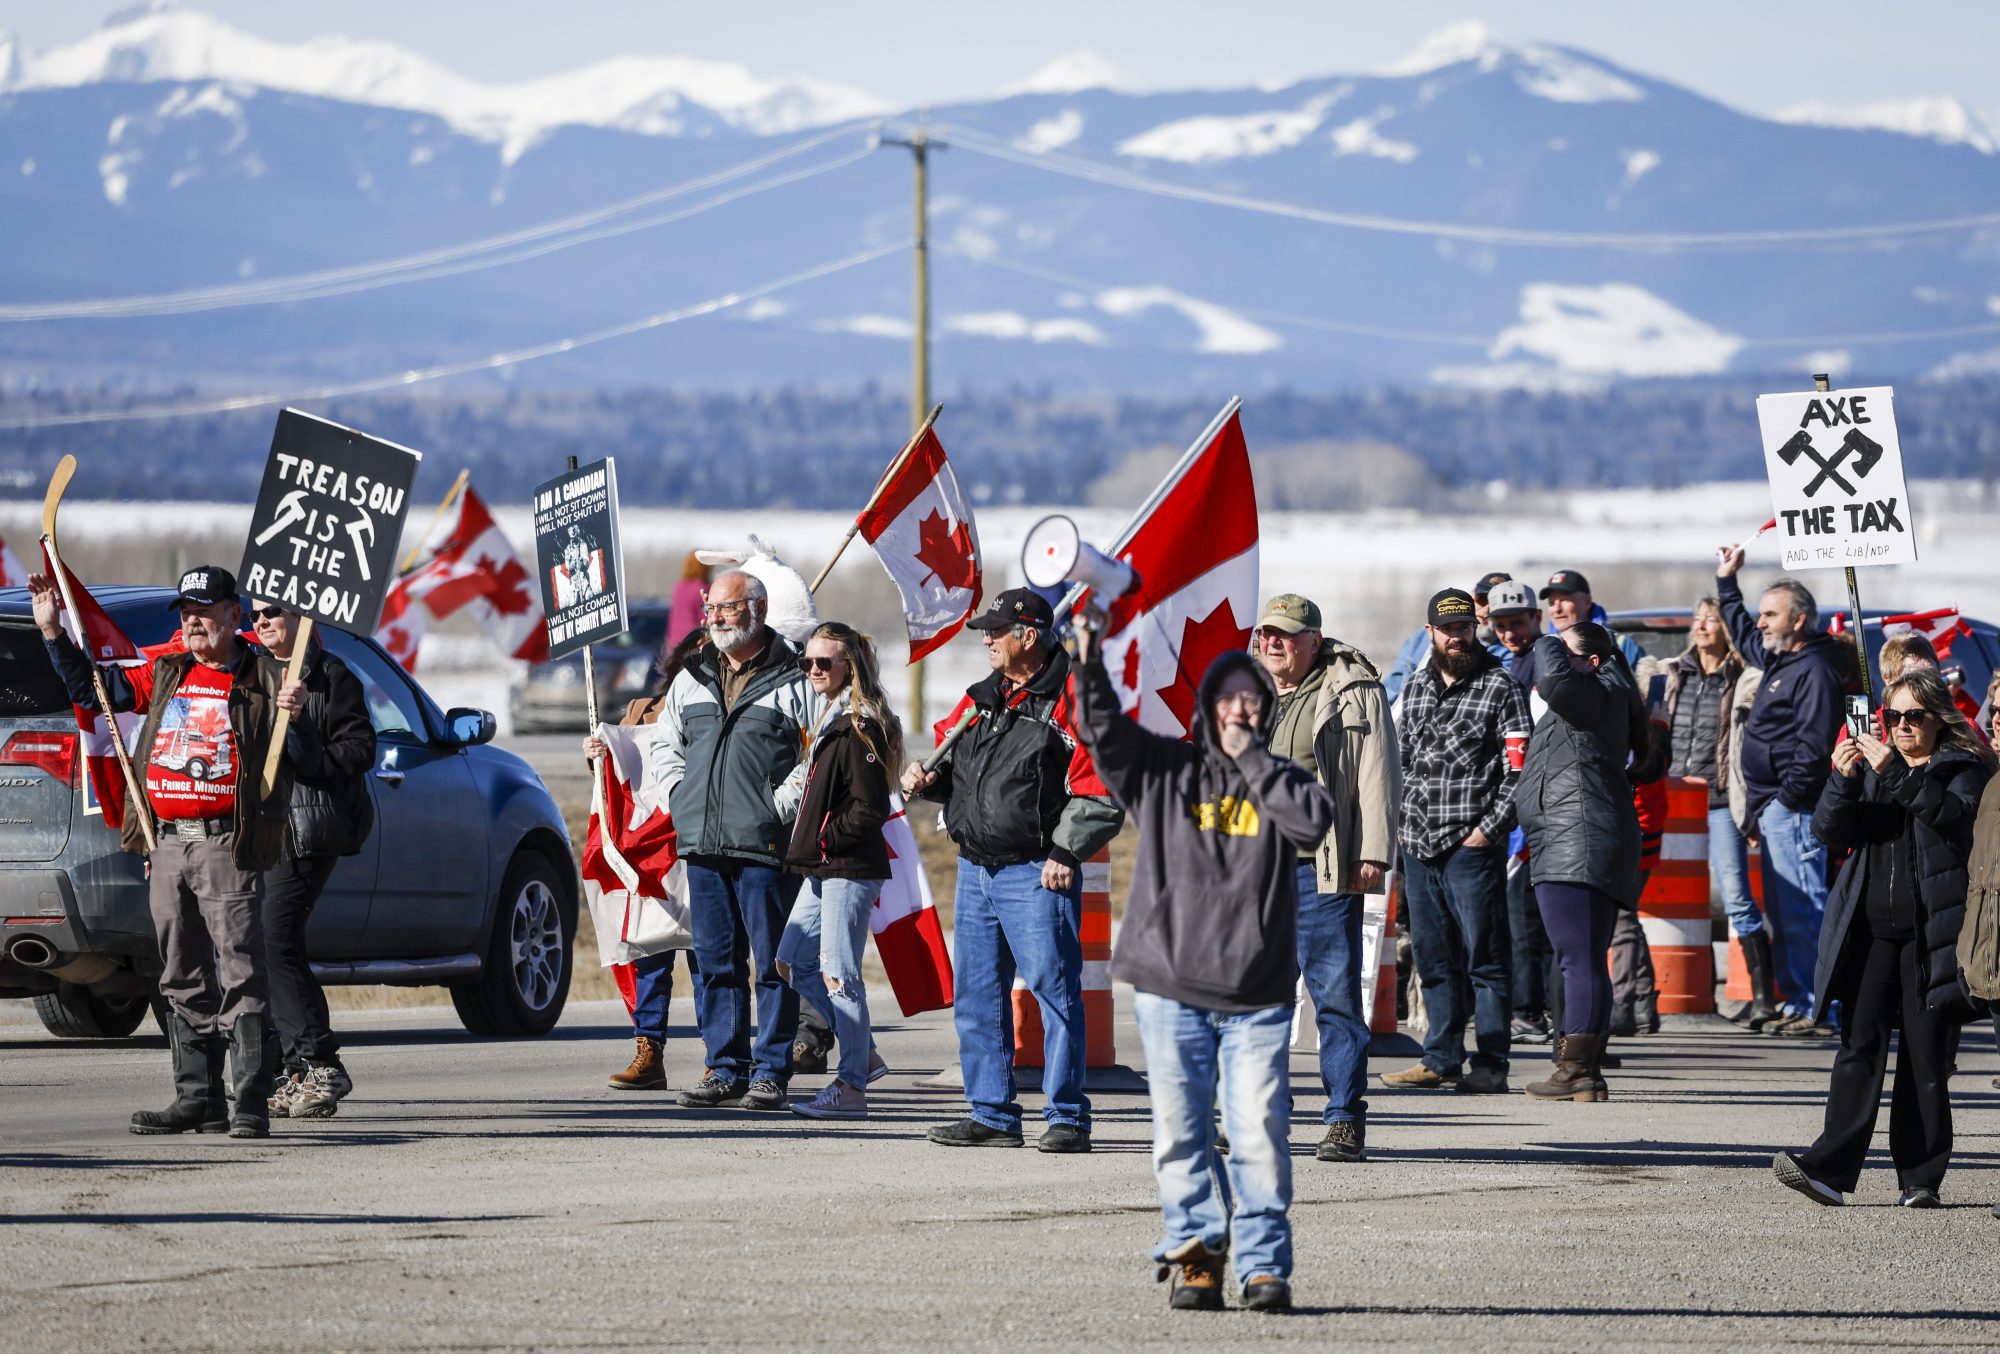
pixel 864 692
pixel 1713 604
pixel 1933 695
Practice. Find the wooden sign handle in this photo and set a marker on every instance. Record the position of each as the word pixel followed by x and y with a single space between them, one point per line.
pixel 293 667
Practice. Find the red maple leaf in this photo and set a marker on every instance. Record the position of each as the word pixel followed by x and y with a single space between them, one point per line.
pixel 508 592
pixel 1128 672
pixel 946 553
pixel 1201 641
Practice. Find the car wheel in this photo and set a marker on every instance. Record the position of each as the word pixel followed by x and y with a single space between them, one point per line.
pixel 72 1012
pixel 529 956
pixel 197 769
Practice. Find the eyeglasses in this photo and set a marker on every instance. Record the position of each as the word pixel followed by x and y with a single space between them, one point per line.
pixel 817 664
pixel 1891 718
pixel 723 608
pixel 266 613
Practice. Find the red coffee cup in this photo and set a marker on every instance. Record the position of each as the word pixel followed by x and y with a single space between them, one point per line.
pixel 1517 748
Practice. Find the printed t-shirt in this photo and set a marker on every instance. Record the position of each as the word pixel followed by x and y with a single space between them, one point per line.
pixel 192 772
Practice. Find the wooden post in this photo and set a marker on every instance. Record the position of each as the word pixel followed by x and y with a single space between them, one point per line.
pixel 293 666
pixel 1822 385
pixel 450 497
pixel 902 458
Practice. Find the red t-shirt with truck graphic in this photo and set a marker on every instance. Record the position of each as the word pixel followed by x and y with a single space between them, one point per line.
pixel 192 771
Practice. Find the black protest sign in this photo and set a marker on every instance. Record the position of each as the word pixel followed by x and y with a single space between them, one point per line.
pixel 329 516
pixel 576 553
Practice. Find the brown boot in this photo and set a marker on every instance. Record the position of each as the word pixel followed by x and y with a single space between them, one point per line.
pixel 1194 1277
pixel 648 1071
pixel 1575 1077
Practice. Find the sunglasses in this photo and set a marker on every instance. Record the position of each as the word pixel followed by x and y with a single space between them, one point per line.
pixel 817 664
pixel 266 613
pixel 1891 718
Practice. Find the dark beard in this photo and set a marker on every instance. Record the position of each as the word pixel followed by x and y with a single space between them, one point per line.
pixel 1457 668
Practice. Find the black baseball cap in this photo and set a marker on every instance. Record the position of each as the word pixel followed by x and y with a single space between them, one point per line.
pixel 1485 585
pixel 1452 606
pixel 205 585
pixel 1016 606
pixel 1565 580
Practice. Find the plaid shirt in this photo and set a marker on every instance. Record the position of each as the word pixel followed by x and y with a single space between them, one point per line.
pixel 1453 740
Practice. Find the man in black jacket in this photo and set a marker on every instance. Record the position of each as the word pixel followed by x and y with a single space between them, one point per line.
pixel 1785 752
pixel 1025 809
pixel 331 746
pixel 1210 944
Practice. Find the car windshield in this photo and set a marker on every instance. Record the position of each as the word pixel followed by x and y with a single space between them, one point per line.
pixel 648 632
pixel 28 681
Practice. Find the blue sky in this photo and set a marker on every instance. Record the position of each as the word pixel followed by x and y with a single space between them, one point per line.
pixel 1757 56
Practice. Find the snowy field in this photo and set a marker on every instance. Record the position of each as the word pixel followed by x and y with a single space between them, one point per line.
pixel 1370 572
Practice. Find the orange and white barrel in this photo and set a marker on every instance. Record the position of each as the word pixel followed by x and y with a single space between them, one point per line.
pixel 1381 1010
pixel 1100 1035
pixel 1674 910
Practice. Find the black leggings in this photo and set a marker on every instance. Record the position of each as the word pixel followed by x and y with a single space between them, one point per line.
pixel 298 1005
pixel 1579 919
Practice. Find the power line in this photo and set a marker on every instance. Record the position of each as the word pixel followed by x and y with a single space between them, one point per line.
pixel 416 376
pixel 1097 171
pixel 526 243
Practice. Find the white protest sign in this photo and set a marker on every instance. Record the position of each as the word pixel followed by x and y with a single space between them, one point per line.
pixel 1836 470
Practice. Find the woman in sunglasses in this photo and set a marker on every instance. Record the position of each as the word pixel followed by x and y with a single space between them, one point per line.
pixel 1888 953
pixel 837 846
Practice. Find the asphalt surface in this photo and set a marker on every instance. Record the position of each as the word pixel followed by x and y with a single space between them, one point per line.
pixel 492 1195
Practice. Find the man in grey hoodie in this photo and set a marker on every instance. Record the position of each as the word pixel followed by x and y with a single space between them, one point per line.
pixel 1210 941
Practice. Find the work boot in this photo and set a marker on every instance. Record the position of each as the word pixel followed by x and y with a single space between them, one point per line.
pixel 1575 1077
pixel 810 1049
pixel 647 1070
pixel 1193 1275
pixel 198 1105
pixel 1646 1013
pixel 254 1052
pixel 1266 1293
pixel 1624 1023
pixel 1344 1141
pixel 1757 958
pixel 316 1096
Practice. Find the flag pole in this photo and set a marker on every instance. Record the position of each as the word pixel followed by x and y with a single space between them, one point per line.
pixel 888 476
pixel 1821 386
pixel 1161 490
pixel 450 497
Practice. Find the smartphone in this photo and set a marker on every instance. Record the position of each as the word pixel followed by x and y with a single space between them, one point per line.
pixel 1858 721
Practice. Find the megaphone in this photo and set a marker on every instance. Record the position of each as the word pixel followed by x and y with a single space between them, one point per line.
pixel 1055 554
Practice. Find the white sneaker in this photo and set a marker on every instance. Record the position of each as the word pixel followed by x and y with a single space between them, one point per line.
pixel 315 1097
pixel 877 1069
pixel 836 1100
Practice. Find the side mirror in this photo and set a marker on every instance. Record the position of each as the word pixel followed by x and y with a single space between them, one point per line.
pixel 467 727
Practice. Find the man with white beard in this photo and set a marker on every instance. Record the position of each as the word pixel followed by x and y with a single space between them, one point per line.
pixel 728 760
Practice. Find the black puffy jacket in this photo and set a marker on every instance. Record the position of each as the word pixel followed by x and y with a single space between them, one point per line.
pixel 1575 799
pixel 331 747
pixel 1937 804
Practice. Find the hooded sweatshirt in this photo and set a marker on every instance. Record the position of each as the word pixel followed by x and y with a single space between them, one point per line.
pixel 1212 917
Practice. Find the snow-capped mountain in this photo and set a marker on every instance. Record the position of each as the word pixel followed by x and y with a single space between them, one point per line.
pixel 189 204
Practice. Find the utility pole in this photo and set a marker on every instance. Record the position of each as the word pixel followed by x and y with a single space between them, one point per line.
pixel 920 145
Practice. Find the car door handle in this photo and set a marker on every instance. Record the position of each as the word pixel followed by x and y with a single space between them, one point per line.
pixel 389 775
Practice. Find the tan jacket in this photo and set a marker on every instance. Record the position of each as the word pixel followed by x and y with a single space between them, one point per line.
pixel 1355 740
pixel 1979 933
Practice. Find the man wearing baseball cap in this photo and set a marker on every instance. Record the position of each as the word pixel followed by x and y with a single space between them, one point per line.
pixel 1416 650
pixel 1458 803
pixel 1516 620
pixel 1025 808
pixel 210 711
pixel 1332 721
pixel 1568 596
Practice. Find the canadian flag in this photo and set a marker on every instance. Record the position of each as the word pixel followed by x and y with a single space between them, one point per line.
pixel 467 563
pixel 908 935
pixel 633 879
pixel 1940 627
pixel 922 532
pixel 1195 552
pixel 100 639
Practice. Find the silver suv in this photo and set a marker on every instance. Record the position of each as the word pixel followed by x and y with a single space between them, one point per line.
pixel 468 880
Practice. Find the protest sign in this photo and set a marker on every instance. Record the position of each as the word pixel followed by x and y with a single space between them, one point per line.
pixel 576 553
pixel 328 519
pixel 1836 470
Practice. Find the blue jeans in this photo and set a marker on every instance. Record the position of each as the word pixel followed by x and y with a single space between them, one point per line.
pixel 1330 959
pixel 822 945
pixel 737 910
pixel 1191 1052
pixel 1458 932
pixel 1795 889
pixel 1005 920
pixel 653 985
pixel 1729 867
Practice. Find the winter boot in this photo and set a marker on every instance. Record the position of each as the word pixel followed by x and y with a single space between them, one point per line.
pixel 647 1071
pixel 1624 1023
pixel 198 1104
pixel 1646 1013
pixel 255 1055
pixel 1757 958
pixel 1575 1077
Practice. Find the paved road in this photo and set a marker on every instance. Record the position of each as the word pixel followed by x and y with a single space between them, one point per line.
pixel 495 1195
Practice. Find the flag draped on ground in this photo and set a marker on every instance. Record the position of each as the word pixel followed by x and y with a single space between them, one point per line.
pixel 922 531
pixel 908 935
pixel 466 563
pixel 633 880
pixel 1195 551
pixel 102 641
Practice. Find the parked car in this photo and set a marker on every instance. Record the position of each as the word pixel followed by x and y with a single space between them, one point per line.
pixel 550 698
pixel 468 880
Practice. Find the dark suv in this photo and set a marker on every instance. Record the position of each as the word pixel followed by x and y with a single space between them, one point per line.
pixel 467 881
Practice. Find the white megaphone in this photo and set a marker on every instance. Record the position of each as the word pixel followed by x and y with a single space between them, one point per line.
pixel 1055 554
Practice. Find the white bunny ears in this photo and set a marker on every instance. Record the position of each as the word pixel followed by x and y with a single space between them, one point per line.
pixel 793 613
